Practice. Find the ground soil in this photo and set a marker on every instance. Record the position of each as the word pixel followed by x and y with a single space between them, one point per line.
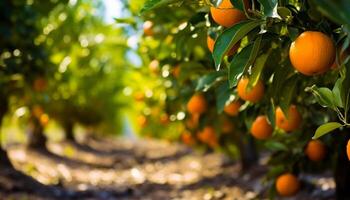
pixel 143 169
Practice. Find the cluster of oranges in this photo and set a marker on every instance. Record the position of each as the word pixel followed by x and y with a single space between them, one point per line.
pixel 39 114
pixel 312 53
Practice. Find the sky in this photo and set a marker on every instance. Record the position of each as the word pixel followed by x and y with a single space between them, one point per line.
pixel 113 10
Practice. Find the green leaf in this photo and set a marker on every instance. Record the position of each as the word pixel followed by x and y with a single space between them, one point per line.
pixel 275 146
pixel 230 37
pixel 223 94
pixel 207 81
pixel 326 128
pixel 238 4
pixel 284 12
pixel 337 94
pixel 338 11
pixel 270 8
pixel 243 60
pixel 257 69
pixel 271 113
pixel 324 96
pixel 287 93
pixel 151 4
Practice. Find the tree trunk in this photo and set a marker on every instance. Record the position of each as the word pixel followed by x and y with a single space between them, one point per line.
pixel 249 156
pixel 36 137
pixel 68 128
pixel 342 168
pixel 247 150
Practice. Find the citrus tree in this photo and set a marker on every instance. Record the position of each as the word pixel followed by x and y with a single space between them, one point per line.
pixel 90 65
pixel 277 69
pixel 24 63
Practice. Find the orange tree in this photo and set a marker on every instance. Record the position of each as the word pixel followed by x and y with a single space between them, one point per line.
pixel 290 73
pixel 24 63
pixel 87 83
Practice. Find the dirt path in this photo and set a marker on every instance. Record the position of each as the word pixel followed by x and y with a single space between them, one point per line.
pixel 147 169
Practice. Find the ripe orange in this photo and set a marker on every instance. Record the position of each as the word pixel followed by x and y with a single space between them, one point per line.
pixel 232 109
pixel 312 53
pixel 176 71
pixel 261 129
pixel 154 66
pixel 40 84
pixel 187 138
pixel 164 119
pixel 227 126
pixel 37 111
pixel 348 149
pixel 287 184
pixel 44 119
pixel 292 122
pixel 147 28
pixel 226 15
pixel 208 136
pixel 211 43
pixel 197 104
pixel 315 150
pixel 139 96
pixel 192 122
pixel 254 95
pixel 142 121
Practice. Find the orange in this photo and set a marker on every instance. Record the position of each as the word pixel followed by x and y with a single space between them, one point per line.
pixel 254 94
pixel 227 126
pixel 312 53
pixel 176 71
pixel 226 15
pixel 40 84
pixel 211 43
pixel 287 184
pixel 187 138
pixel 315 150
pixel 208 136
pixel 261 128
pixel 154 66
pixel 37 111
pixel 164 119
pixel 192 122
pixel 197 104
pixel 348 149
pixel 232 109
pixel 44 119
pixel 147 28
pixel 292 122
pixel 142 121
pixel 139 96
